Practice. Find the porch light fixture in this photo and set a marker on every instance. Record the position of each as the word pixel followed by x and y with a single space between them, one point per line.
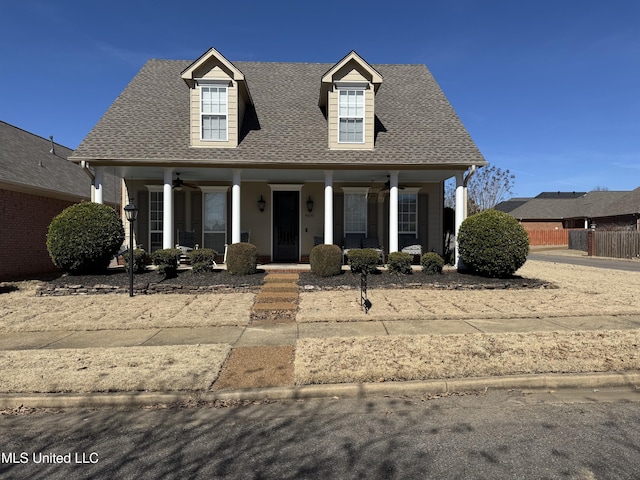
pixel 310 205
pixel 131 212
pixel 261 204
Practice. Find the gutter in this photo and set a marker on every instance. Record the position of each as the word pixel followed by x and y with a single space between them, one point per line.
pixel 85 167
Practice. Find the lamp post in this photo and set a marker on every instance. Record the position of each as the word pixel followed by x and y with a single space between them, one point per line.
pixel 131 212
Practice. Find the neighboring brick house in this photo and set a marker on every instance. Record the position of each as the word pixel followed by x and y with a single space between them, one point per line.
pixel 566 210
pixel 37 182
pixel 293 154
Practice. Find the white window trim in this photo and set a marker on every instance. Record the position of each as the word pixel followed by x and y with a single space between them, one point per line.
pixel 409 191
pixel 214 83
pixel 357 191
pixel 155 189
pixel 352 86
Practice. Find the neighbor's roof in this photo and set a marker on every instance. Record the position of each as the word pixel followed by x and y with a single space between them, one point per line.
pixel 27 164
pixel 508 206
pixel 552 206
pixel 415 123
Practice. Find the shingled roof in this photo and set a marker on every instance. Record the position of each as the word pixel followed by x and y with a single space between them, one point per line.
pixel 415 124
pixel 564 205
pixel 26 162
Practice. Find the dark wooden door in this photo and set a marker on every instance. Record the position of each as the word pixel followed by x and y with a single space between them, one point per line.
pixel 286 226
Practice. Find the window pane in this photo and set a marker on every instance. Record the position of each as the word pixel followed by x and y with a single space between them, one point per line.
pixel 215 212
pixel 407 213
pixel 355 213
pixel 215 241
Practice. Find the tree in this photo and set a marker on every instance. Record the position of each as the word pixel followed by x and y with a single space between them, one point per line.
pixel 487 187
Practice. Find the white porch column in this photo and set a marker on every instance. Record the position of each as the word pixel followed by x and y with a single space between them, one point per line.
pixel 393 211
pixel 167 209
pixel 460 211
pixel 328 208
pixel 235 207
pixel 97 183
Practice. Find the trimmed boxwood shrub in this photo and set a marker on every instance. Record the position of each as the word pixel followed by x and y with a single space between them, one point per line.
pixel 399 262
pixel 493 244
pixel 139 260
pixel 432 263
pixel 326 260
pixel 84 237
pixel 242 258
pixel 363 260
pixel 202 260
pixel 167 261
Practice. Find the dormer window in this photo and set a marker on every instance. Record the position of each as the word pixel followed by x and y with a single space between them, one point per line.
pixel 347 97
pixel 351 115
pixel 213 112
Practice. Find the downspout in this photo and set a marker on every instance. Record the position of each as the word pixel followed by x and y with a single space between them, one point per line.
pixel 85 167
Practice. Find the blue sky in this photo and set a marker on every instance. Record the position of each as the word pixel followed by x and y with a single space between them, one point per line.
pixel 547 89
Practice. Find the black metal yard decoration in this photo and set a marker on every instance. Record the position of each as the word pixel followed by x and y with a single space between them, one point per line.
pixel 364 301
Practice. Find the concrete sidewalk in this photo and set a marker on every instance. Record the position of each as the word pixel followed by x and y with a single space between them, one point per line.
pixel 287 333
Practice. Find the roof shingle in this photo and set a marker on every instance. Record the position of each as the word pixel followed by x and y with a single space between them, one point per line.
pixel 416 125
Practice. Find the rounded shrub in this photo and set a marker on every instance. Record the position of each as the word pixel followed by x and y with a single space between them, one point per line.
pixel 399 262
pixel 167 261
pixel 493 244
pixel 326 260
pixel 139 260
pixel 432 263
pixel 84 237
pixel 242 258
pixel 363 260
pixel 202 260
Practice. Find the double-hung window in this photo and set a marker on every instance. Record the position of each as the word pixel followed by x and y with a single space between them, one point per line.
pixel 213 112
pixel 156 208
pixel 408 213
pixel 351 115
pixel 355 210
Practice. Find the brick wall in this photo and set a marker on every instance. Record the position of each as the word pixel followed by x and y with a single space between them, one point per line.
pixel 24 221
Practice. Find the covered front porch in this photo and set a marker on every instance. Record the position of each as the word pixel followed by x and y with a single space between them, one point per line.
pixel 286 212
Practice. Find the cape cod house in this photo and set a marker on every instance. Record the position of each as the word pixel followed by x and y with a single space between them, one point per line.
pixel 284 155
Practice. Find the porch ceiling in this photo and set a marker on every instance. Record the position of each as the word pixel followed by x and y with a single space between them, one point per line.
pixel 280 175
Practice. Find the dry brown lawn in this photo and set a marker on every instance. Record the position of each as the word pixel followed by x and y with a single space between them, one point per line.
pixel 170 368
pixel 582 291
pixel 22 311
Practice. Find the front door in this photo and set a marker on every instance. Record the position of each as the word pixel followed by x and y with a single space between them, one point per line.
pixel 286 226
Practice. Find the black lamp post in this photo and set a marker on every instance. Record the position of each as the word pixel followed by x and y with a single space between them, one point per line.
pixel 131 212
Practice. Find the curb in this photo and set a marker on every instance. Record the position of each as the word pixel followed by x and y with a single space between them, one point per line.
pixel 142 399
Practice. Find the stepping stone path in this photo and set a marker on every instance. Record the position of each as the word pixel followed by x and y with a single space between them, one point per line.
pixel 278 298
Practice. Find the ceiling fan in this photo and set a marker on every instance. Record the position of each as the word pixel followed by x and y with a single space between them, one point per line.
pixel 178 183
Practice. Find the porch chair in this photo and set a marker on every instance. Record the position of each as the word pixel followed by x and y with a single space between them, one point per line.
pixel 351 240
pixel 186 242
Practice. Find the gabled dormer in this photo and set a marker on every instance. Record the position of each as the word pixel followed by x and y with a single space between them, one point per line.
pixel 347 93
pixel 218 99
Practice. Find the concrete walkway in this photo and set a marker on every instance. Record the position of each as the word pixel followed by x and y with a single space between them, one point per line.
pixel 274 334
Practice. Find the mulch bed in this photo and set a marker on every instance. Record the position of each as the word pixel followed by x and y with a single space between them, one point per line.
pixel 117 277
pixel 448 280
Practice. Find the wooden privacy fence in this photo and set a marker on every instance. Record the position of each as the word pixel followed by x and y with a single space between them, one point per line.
pixel 548 237
pixel 578 240
pixel 623 244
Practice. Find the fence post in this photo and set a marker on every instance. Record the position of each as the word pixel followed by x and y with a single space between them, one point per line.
pixel 591 242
